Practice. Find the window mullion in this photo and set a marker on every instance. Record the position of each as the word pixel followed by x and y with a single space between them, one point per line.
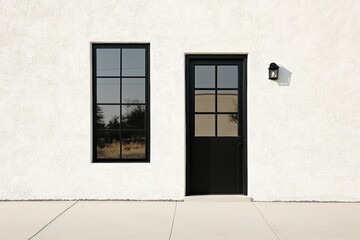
pixel 120 117
pixel 216 100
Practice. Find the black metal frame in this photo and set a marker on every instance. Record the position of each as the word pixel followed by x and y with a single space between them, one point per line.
pixel 145 46
pixel 242 105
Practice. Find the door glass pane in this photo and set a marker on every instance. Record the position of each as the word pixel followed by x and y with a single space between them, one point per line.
pixel 227 125
pixel 227 100
pixel 227 76
pixel 108 62
pixel 108 144
pixel 108 90
pixel 204 76
pixel 133 144
pixel 133 117
pixel 204 125
pixel 133 90
pixel 204 101
pixel 133 62
pixel 108 116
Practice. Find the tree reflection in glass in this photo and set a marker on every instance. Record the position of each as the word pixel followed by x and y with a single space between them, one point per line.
pixel 108 144
pixel 133 144
pixel 108 123
pixel 133 117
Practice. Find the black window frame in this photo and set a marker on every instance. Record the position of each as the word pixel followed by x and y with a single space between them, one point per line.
pixel 120 46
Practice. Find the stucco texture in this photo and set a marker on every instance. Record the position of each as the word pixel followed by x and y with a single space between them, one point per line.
pixel 303 135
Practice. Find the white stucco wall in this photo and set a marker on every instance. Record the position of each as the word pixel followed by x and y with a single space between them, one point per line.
pixel 303 139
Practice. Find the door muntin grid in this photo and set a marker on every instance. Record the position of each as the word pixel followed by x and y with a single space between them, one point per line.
pixel 216 100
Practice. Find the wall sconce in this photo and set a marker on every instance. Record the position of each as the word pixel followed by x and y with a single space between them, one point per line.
pixel 273 71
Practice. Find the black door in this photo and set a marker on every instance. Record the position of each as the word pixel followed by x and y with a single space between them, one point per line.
pixel 216 124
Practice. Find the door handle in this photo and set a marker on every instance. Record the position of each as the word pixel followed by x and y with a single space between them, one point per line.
pixel 240 141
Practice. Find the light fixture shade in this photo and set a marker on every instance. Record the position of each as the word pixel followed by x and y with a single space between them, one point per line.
pixel 273 71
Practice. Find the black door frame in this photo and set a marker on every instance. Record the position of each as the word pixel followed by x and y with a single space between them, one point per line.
pixel 242 109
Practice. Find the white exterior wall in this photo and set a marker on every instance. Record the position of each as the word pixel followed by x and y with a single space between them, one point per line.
pixel 303 139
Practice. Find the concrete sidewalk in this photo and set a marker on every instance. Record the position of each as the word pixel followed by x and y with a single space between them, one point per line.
pixel 178 220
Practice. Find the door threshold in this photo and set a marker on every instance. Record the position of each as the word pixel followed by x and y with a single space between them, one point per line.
pixel 218 198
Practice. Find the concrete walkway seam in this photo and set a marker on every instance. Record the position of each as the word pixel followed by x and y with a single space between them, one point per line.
pixel 267 222
pixel 173 222
pixel 53 220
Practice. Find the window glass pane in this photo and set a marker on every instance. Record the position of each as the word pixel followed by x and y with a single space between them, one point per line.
pixel 227 76
pixel 133 62
pixel 108 62
pixel 108 90
pixel 133 144
pixel 204 76
pixel 108 144
pixel 133 90
pixel 204 101
pixel 227 125
pixel 133 117
pixel 227 100
pixel 204 125
pixel 120 96
pixel 108 116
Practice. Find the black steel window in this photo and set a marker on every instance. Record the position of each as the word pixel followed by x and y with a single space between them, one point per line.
pixel 121 103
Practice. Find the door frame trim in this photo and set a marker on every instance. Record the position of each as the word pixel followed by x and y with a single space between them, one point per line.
pixel 188 58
